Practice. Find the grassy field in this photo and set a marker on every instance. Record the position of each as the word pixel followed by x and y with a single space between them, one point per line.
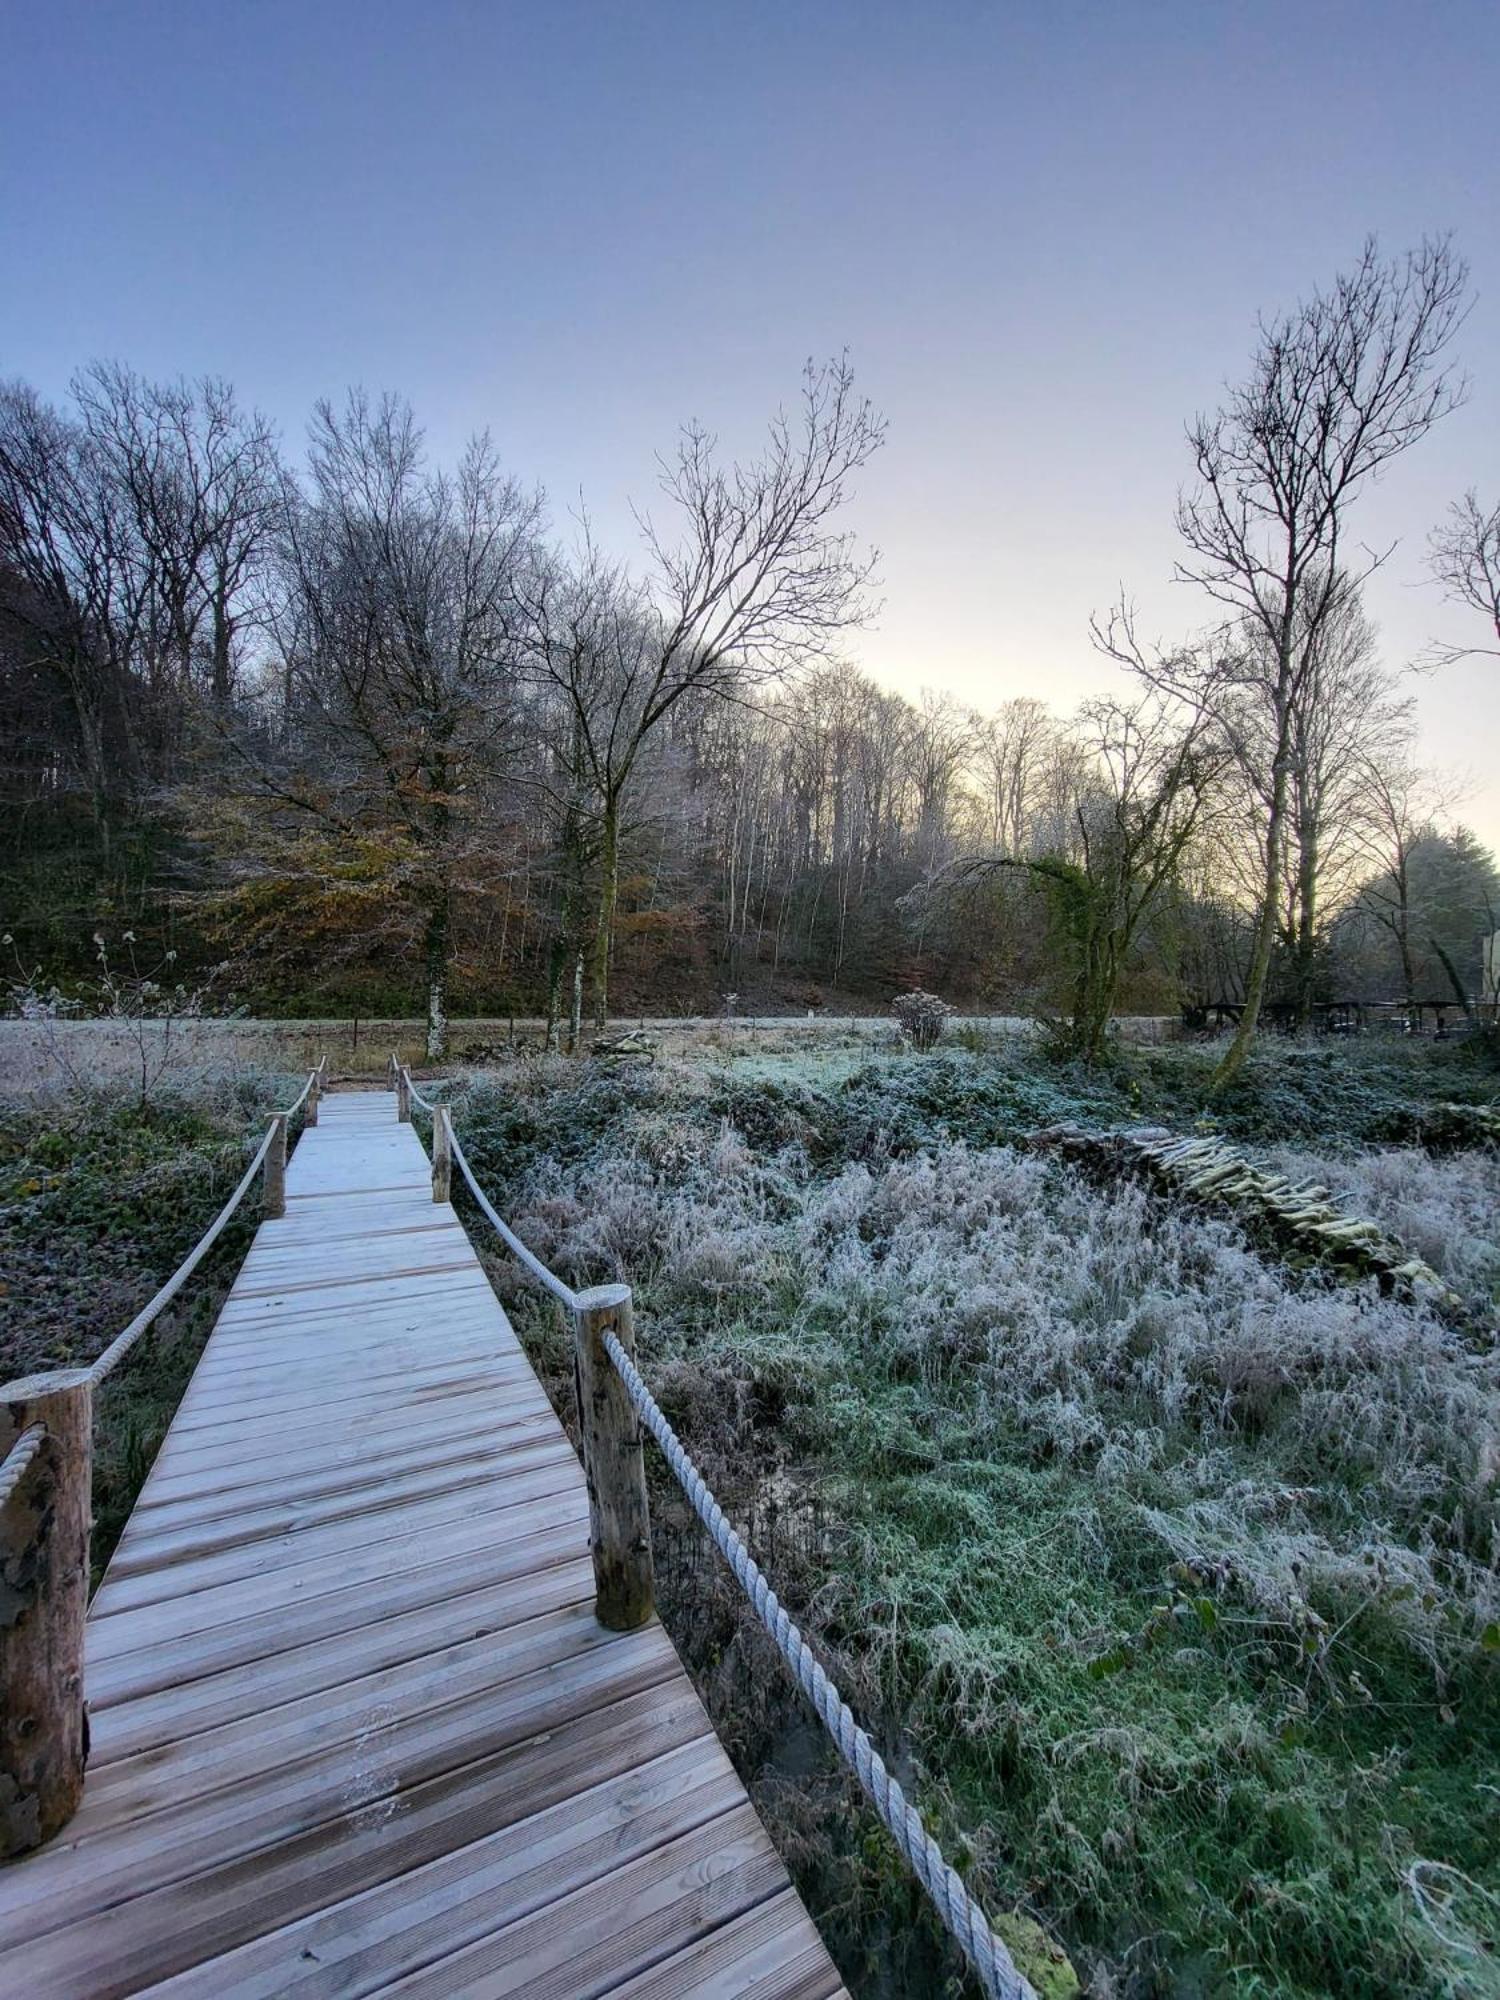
pixel 1164 1570
pixel 38 1055
pixel 1167 1572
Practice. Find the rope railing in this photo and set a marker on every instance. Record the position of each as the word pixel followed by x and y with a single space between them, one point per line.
pixel 963 1917
pixel 122 1343
pixel 405 1086
pixel 296 1104
pixel 17 1461
pixel 44 1547
pixel 416 1095
pixel 275 1133
pixel 620 1536
pixel 549 1280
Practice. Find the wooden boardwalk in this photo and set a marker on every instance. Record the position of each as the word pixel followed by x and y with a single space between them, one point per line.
pixel 355 1726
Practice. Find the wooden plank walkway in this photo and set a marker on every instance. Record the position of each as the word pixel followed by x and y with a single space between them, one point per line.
pixel 355 1726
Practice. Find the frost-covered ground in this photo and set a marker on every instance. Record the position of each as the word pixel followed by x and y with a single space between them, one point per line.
pixel 1166 1573
pixel 1172 1571
pixel 1443 1209
pixel 100 1199
pixel 37 1054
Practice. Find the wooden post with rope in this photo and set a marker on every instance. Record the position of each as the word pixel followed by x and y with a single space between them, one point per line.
pixel 403 1096
pixel 314 1092
pixel 44 1588
pixel 273 1174
pixel 614 1462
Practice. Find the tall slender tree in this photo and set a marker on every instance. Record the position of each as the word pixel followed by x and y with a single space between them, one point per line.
pixel 1338 388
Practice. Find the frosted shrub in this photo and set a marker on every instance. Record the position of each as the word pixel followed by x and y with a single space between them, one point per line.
pixel 921 1017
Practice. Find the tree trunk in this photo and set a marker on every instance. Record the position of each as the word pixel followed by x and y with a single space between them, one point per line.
pixel 1307 930
pixel 223 633
pixel 1403 940
pixel 437 952
pixel 557 955
pixel 575 1014
pixel 1265 940
pixel 609 889
pixel 1094 1000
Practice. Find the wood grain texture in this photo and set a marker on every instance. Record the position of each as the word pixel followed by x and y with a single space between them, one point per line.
pixel 44 1572
pixel 356 1726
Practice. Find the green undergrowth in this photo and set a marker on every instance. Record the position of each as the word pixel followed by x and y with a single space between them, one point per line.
pixel 100 1199
pixel 1166 1574
pixel 840 1107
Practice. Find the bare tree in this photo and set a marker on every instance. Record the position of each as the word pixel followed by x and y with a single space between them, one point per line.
pixel 1338 388
pixel 1464 556
pixel 401 596
pixel 1150 775
pixel 81 587
pixel 1012 751
pixel 205 487
pixel 1401 806
pixel 758 580
pixel 1346 719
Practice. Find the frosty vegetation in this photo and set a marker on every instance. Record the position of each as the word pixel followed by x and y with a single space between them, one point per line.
pixel 1173 1568
pixel 101 1198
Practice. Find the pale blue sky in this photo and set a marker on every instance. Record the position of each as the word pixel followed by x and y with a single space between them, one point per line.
pixel 1044 232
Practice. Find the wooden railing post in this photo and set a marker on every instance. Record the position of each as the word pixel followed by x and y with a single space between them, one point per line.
pixel 442 1155
pixel 614 1462
pixel 314 1092
pixel 403 1097
pixel 273 1174
pixel 44 1588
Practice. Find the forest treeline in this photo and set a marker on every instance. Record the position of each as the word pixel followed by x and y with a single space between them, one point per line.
pixel 366 734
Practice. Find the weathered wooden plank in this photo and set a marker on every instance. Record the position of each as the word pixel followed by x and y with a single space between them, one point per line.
pixel 157 1661
pixel 183 1710
pixel 773 1952
pixel 619 1926
pixel 283 1602
pixel 249 1747
pixel 288 1551
pixel 170 1925
pixel 360 1945
pixel 114 1861
pixel 219 1487
pixel 244 1509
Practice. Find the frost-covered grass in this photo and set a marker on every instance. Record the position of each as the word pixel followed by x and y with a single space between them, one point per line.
pixel 1445 1208
pixel 100 1200
pixel 1171 1571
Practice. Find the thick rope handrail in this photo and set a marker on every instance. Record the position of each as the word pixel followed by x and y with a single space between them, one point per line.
pixel 415 1094
pixel 17 1461
pixel 121 1345
pixel 297 1102
pixel 528 1258
pixel 963 1917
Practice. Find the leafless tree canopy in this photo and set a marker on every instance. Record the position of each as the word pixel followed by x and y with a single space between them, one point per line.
pixel 363 719
pixel 1465 558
